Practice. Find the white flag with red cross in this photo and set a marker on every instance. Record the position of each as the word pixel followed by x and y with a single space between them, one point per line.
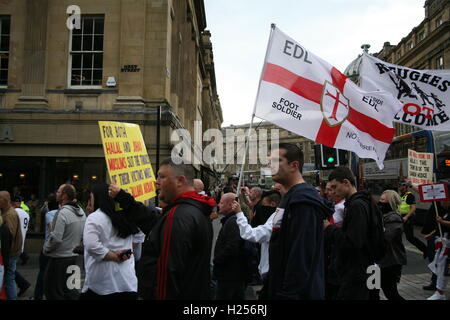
pixel 304 94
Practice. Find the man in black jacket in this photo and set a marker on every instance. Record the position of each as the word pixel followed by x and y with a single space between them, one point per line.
pixel 351 241
pixel 296 249
pixel 175 260
pixel 229 262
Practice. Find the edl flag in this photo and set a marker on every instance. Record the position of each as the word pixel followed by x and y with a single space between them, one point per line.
pixel 304 94
pixel 424 94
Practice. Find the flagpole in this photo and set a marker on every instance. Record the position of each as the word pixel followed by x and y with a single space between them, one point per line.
pixel 247 142
pixel 435 180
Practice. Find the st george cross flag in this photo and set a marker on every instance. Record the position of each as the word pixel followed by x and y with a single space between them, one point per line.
pixel 304 94
pixel 424 94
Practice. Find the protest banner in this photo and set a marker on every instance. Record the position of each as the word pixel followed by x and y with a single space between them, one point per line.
pixel 127 160
pixel 420 167
pixel 424 94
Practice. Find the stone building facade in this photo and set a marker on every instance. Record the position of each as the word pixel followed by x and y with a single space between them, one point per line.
pixel 427 46
pixel 134 61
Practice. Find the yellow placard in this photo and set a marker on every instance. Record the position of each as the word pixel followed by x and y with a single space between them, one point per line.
pixel 127 160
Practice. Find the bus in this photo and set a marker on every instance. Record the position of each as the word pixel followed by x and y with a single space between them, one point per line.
pixel 396 163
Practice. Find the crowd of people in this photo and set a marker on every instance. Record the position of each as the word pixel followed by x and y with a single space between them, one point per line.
pixel 292 241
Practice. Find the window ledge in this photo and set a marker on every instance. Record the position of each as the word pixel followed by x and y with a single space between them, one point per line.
pixel 83 91
pixel 93 91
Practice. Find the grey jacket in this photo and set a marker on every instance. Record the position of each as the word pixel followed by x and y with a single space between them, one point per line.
pixel 67 232
pixel 395 253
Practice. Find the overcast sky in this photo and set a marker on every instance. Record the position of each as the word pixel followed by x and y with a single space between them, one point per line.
pixel 334 30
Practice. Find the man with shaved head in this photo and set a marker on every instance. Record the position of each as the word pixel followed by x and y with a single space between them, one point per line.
pixel 11 243
pixel 199 187
pixel 229 262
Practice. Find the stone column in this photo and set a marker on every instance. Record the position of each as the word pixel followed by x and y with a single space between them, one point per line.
pixel 132 42
pixel 34 67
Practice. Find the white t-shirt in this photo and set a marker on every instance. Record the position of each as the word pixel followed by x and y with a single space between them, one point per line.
pixel 106 277
pixel 24 219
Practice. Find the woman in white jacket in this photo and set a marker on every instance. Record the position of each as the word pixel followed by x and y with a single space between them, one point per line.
pixel 108 240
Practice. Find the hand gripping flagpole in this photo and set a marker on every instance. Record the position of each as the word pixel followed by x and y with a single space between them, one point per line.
pixel 247 142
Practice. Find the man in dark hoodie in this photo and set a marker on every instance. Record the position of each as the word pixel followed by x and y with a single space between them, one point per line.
pixel 351 240
pixel 296 250
pixel 176 255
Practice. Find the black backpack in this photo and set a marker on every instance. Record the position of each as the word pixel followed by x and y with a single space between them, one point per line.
pixel 376 242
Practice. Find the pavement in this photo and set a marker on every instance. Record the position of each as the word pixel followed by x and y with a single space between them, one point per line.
pixel 414 275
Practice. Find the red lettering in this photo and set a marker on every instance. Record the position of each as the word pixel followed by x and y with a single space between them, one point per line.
pixel 136 191
pixel 429 112
pixel 113 148
pixel 117 163
pixel 148 187
pixel 406 109
pixel 417 110
pixel 137 146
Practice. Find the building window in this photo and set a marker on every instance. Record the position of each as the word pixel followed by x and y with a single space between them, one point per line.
pixel 86 53
pixel 440 63
pixel 439 22
pixel 5 23
pixel 421 35
pixel 409 45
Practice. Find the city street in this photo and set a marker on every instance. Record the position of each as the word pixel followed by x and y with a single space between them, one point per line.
pixel 415 275
pixel 287 103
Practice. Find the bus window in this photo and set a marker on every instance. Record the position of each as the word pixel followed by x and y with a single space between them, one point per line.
pixel 442 147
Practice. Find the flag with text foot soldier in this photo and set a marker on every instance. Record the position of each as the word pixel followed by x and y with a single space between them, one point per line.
pixel 304 94
pixel 424 94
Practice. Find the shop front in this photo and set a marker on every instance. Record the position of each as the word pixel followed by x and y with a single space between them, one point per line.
pixel 34 178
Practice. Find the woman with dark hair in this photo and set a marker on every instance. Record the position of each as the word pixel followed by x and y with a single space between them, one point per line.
pixel 108 239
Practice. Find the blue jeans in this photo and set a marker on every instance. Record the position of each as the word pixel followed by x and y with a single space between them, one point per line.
pixel 10 278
